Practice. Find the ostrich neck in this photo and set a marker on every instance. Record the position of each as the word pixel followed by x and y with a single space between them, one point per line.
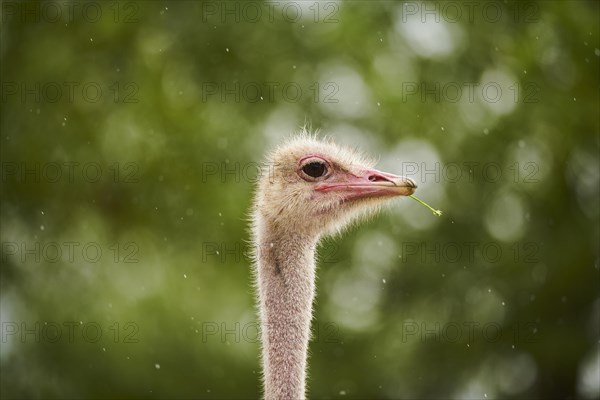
pixel 286 280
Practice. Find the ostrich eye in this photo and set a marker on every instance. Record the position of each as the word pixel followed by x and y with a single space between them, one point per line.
pixel 315 169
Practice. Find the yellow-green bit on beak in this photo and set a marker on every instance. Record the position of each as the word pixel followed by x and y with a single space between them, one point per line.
pixel 433 210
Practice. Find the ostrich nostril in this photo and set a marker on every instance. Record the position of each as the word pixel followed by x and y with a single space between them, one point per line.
pixel 378 178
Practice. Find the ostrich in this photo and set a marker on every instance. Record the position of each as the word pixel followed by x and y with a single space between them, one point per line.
pixel 309 188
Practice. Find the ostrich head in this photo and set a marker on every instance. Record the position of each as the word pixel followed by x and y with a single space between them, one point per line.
pixel 313 187
pixel 308 188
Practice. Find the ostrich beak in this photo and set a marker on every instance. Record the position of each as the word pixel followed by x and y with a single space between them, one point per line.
pixel 369 184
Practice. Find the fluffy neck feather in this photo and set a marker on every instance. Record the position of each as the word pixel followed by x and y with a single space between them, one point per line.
pixel 285 272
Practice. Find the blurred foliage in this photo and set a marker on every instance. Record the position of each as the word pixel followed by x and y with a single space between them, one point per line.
pixel 165 108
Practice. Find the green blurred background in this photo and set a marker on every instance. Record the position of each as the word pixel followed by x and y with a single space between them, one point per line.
pixel 130 137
